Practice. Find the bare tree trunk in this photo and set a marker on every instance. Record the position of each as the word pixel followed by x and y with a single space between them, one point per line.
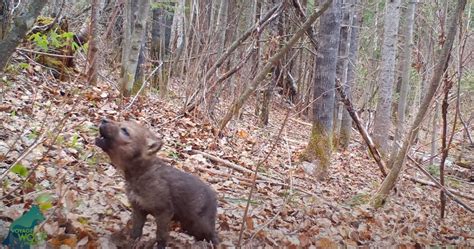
pixel 389 182
pixel 383 120
pixel 444 143
pixel 177 35
pixel 134 33
pixel 320 145
pixel 93 36
pixel 4 18
pixel 235 108
pixel 156 48
pixel 434 128
pixel 342 64
pixel 405 62
pixel 222 25
pixel 346 125
pixel 256 57
pixel 21 25
pixel 277 71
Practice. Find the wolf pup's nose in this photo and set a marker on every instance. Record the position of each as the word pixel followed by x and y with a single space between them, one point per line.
pixel 104 121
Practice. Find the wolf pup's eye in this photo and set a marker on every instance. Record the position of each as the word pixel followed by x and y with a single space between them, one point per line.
pixel 125 131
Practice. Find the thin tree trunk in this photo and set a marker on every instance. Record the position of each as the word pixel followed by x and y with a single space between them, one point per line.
pixel 346 125
pixel 389 182
pixel 222 25
pixel 405 75
pixel 93 36
pixel 277 74
pixel 21 25
pixel 342 64
pixel 444 144
pixel 434 128
pixel 383 120
pixel 256 57
pixel 155 48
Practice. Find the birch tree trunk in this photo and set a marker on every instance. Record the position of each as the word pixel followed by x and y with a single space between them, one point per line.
pixel 405 74
pixel 442 61
pixel 136 13
pixel 156 48
pixel 383 121
pixel 320 145
pixel 346 125
pixel 342 63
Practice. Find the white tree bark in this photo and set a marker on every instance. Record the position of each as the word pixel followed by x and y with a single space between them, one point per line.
pixel 343 62
pixel 441 65
pixel 405 73
pixel 177 28
pixel 136 14
pixel 346 126
pixel 383 121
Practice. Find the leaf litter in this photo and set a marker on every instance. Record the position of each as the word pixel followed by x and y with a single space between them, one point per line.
pixel 87 206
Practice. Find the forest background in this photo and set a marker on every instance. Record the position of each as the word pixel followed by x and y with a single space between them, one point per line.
pixel 319 123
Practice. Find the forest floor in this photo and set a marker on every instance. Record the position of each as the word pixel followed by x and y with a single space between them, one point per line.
pixel 86 203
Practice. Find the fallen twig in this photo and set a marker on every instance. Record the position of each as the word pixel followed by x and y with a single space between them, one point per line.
pixel 441 187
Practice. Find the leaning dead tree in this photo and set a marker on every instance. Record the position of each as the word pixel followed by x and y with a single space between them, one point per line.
pixel 252 86
pixel 389 182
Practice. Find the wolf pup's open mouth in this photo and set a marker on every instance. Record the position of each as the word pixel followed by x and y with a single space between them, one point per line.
pixel 101 141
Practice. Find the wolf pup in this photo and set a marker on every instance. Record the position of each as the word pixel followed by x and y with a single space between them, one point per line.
pixel 155 188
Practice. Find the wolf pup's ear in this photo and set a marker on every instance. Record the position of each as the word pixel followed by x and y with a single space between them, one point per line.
pixel 154 145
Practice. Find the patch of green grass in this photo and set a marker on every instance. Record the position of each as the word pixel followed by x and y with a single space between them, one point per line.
pixel 242 200
pixel 433 170
pixel 359 199
pixel 453 182
pixel 173 154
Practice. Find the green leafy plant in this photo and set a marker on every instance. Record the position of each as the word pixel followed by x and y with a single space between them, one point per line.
pixel 45 201
pixel 74 141
pixel 23 65
pixel 41 40
pixel 54 40
pixel 19 169
pixel 33 134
